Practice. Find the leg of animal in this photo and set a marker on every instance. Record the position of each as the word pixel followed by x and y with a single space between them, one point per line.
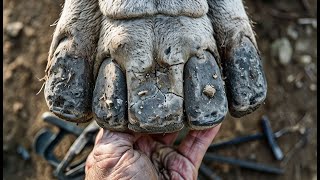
pixel 242 67
pixel 154 66
pixel 69 80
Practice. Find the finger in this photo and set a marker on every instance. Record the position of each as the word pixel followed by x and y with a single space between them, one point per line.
pixel 90 159
pixel 98 136
pixel 68 87
pixel 242 67
pixel 205 98
pixel 196 143
pixel 89 162
pixel 110 97
pixel 166 139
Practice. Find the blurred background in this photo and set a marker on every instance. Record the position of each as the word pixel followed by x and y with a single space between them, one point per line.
pixel 287 39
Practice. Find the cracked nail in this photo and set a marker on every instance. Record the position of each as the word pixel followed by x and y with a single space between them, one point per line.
pixel 202 110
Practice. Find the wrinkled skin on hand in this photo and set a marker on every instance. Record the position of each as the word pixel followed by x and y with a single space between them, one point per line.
pixel 154 66
pixel 119 155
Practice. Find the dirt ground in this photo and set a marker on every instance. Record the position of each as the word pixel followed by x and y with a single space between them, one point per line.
pixel 291 98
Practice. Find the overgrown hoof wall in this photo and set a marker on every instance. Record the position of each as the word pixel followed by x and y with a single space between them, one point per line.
pixel 110 97
pixel 245 80
pixel 156 111
pixel 68 88
pixel 205 99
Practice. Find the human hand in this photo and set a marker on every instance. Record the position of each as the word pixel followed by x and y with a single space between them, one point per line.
pixel 118 155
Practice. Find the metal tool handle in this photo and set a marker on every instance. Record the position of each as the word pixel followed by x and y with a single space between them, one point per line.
pixel 244 164
pixel 277 152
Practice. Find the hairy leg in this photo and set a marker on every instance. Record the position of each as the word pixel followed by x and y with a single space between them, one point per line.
pixel 69 81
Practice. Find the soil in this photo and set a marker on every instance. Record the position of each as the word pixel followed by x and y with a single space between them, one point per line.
pixel 291 98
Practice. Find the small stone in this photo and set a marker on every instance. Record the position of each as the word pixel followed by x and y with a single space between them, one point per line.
pixel 109 103
pixel 299 84
pixel 302 130
pixel 209 91
pixel 7 45
pixel 142 93
pixel 281 49
pixel 290 78
pixel 305 59
pixel 29 31
pixel 215 76
pixel 313 87
pixel 119 101
pixel 13 29
pixel 302 46
pixel 292 33
pixel 17 106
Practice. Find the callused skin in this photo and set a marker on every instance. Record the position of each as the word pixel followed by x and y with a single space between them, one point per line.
pixel 119 155
pixel 154 66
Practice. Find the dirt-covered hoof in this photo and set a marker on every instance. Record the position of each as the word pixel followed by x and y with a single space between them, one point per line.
pixel 205 100
pixel 110 97
pixel 245 80
pixel 154 67
pixel 68 87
